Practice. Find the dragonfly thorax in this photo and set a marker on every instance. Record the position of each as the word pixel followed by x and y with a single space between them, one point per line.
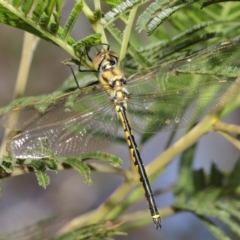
pixel 111 77
pixel 114 83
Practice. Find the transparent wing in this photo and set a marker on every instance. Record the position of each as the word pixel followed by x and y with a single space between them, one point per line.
pixel 51 111
pixel 180 93
pixel 76 123
pixel 220 59
pixel 174 110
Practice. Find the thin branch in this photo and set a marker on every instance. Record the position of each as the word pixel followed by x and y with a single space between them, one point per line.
pixel 230 138
pixel 157 165
pixel 221 126
pixel 110 169
pixel 99 26
pixel 127 33
pixel 107 210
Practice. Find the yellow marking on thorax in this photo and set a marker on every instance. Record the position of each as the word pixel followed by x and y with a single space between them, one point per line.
pixel 113 75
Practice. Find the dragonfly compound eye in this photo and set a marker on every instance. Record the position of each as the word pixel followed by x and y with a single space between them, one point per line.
pixel 98 59
pixel 104 55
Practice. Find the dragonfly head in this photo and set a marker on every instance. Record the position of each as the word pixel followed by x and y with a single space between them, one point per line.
pixel 105 60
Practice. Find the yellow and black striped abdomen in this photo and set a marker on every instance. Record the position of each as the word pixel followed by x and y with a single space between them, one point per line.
pixel 136 158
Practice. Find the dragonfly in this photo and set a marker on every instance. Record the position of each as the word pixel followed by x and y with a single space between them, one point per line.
pixel 160 98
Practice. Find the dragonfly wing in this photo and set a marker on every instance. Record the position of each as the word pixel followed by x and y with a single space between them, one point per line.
pixel 71 126
pixel 17 119
pixel 51 111
pixel 171 110
pixel 75 136
pixel 219 59
pixel 178 94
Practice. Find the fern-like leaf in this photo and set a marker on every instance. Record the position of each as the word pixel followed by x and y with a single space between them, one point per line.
pixel 41 18
pixel 72 19
pixel 94 231
pixel 208 197
pixel 40 171
pixel 120 9
pixel 158 12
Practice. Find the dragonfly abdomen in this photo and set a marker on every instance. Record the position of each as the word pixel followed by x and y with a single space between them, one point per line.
pixel 136 158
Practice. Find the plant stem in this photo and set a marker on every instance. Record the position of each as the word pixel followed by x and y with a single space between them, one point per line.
pixel 158 165
pixel 108 208
pixel 99 26
pixel 29 45
pixel 127 33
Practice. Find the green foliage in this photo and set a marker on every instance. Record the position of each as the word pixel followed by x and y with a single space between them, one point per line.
pixel 94 231
pixel 8 164
pixel 38 231
pixel 82 167
pixel 72 19
pixel 177 28
pixel 209 197
pixel 41 18
pixel 89 41
pixel 158 12
pixel 120 10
